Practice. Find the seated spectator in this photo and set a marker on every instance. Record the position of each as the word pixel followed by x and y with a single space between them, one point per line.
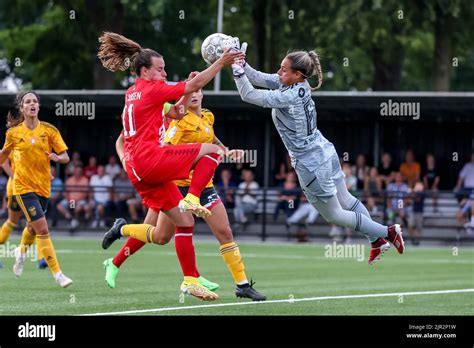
pixel 245 198
pixel 350 179
pixel 101 196
pixel 91 168
pixel 134 206
pixel 431 179
pixel 75 198
pixel 283 169
pixel 75 161
pixel 288 198
pixel 396 200
pixel 465 184
pixel 56 196
pixel 372 189
pixel 360 170
pixel 415 219
pixel 226 188
pixel 305 212
pixel 112 169
pixel 466 207
pixel 410 169
pixel 387 170
pixel 123 191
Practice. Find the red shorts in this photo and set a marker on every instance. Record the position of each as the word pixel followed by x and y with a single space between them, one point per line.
pixel 161 165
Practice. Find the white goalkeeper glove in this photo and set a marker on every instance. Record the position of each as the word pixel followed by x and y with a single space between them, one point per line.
pixel 238 66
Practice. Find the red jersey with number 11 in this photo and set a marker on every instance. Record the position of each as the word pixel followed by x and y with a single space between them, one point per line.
pixel 142 119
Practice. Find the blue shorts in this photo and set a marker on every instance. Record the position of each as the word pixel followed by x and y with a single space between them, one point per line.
pixel 33 206
pixel 12 203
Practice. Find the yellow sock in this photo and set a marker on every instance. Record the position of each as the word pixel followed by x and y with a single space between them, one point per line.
pixel 231 254
pixel 7 228
pixel 142 232
pixel 26 240
pixel 40 254
pixel 46 247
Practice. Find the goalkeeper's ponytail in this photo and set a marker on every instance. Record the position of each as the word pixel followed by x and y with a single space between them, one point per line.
pixel 307 63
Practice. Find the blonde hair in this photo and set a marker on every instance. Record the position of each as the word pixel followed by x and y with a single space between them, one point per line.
pixel 116 52
pixel 308 64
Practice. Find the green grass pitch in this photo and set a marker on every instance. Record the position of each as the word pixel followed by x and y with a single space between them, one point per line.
pixel 150 279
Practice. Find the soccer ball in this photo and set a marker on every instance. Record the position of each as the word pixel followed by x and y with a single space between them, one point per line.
pixel 213 46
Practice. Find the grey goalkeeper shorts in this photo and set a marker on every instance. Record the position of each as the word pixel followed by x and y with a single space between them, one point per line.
pixel 319 183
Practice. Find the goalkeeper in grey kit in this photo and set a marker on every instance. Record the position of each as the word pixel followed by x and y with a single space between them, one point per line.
pixel 312 155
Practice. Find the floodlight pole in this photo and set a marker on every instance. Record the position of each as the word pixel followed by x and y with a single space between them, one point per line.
pixel 220 15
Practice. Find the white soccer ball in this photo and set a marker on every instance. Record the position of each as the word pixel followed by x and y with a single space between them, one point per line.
pixel 213 46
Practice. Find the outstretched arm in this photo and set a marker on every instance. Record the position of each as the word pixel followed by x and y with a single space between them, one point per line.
pixel 258 78
pixel 279 98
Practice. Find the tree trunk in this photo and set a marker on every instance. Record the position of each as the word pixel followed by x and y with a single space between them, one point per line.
pixel 103 21
pixel 386 75
pixel 442 50
pixel 259 30
pixel 275 21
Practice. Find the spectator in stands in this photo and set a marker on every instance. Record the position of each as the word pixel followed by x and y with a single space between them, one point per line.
pixel 431 179
pixel 75 198
pixel 410 169
pixel 415 219
pixel 134 206
pixel 237 171
pixel 396 203
pixel 288 197
pixel 360 170
pixel 350 179
pixel 387 169
pixel 226 188
pixel 112 169
pixel 101 196
pixel 123 191
pixel 372 189
pixel 283 169
pixel 466 207
pixel 305 212
pixel 91 168
pixel 246 197
pixel 75 161
pixel 465 184
pixel 56 196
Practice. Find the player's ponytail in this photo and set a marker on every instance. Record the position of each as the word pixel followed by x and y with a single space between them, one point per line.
pixel 307 63
pixel 316 68
pixel 116 52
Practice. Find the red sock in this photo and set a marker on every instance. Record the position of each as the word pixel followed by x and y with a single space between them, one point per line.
pixel 203 173
pixel 127 250
pixel 183 243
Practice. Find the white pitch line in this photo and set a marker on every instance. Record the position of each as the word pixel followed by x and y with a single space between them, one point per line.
pixel 167 309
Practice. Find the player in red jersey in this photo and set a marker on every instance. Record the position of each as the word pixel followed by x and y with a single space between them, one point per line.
pixel 151 166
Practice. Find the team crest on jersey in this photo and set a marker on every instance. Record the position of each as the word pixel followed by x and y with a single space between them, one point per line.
pixel 32 211
pixel 172 132
pixel 33 141
pixel 207 129
pixel 301 92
